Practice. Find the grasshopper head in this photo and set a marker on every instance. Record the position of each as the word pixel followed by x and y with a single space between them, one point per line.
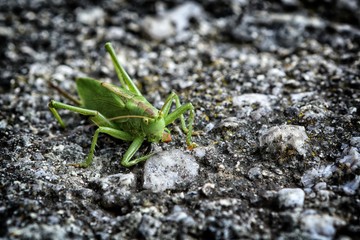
pixel 154 130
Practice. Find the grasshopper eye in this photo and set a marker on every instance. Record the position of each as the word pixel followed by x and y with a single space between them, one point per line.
pixel 146 121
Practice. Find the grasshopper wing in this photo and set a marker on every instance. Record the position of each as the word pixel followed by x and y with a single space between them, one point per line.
pixel 95 97
pixel 135 104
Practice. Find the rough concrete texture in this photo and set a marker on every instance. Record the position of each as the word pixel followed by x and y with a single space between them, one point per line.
pixel 275 85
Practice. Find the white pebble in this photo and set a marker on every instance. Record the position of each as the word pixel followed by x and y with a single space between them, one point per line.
pixel 355 141
pixel 209 127
pixel 200 152
pixel 321 172
pixel 291 198
pixel 90 16
pixel 120 180
pixel 351 187
pixel 320 226
pixel 284 136
pixel 252 98
pixel 172 22
pixel 169 169
pixel 352 159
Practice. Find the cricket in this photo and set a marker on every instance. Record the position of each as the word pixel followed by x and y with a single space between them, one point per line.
pixel 124 113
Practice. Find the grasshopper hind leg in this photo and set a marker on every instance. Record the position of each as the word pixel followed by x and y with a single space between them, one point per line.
pixel 124 78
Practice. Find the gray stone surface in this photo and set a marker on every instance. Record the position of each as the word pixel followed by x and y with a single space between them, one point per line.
pixel 246 66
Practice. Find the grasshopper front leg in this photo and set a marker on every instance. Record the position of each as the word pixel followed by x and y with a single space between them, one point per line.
pixel 134 147
pixel 179 113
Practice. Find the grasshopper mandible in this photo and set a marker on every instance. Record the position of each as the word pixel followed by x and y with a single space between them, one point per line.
pixel 123 113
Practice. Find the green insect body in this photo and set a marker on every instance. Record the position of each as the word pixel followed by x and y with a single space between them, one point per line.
pixel 123 113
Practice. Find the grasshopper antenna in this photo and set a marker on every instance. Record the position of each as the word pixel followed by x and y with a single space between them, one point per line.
pixel 65 94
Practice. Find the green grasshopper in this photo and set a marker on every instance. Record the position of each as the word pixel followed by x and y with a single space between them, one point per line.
pixel 123 113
